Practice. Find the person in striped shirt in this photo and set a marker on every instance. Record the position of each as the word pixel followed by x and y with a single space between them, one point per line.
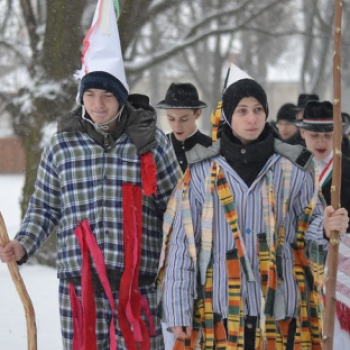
pixel 236 233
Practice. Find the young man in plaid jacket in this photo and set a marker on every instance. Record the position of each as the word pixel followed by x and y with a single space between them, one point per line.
pixel 103 184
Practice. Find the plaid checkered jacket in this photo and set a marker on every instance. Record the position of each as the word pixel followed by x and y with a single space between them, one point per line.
pixel 77 179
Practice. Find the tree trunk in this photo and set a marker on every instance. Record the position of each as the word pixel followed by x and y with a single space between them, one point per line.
pixel 51 73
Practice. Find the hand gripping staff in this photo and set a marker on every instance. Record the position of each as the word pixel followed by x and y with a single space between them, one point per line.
pixel 22 291
pixel 330 307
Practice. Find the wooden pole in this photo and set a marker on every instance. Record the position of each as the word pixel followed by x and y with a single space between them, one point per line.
pixel 331 280
pixel 22 291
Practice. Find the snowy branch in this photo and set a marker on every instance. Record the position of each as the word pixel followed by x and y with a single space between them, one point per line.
pixel 192 36
pixel 151 60
pixel 18 53
pixel 159 8
pixel 31 24
pixel 6 15
pixel 226 12
pixel 215 15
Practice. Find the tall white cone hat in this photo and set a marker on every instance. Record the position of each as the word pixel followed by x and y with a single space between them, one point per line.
pixel 235 74
pixel 102 52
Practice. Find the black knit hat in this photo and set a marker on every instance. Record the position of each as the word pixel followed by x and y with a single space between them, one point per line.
pixel 181 95
pixel 104 81
pixel 318 117
pixel 287 112
pixel 303 99
pixel 241 89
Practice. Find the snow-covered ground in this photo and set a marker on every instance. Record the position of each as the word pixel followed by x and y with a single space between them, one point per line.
pixel 41 283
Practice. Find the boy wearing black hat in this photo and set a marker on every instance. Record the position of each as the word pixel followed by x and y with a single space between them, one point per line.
pixel 235 226
pixel 183 108
pixel 317 130
pixel 298 111
pixel 285 123
pixel 303 99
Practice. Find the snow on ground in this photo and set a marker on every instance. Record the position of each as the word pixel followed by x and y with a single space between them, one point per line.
pixel 41 283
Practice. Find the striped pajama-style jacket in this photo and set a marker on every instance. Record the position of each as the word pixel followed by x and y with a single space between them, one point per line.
pixel 179 279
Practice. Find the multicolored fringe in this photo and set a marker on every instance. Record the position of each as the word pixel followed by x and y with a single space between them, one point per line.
pixel 309 325
pixel 208 324
pixel 268 198
pixel 227 203
pixel 215 119
pixel 235 321
pixel 187 217
pixel 207 224
pixel 168 221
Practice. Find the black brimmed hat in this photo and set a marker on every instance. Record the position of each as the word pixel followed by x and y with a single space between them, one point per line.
pixel 318 117
pixel 181 95
pixel 303 99
pixel 287 112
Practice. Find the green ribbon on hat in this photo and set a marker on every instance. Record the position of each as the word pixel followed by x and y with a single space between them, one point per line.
pixel 117 7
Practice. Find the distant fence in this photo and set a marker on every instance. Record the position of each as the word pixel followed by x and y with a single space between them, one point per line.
pixel 12 158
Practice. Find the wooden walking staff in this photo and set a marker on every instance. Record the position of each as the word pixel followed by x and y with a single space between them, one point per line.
pixel 22 291
pixel 330 309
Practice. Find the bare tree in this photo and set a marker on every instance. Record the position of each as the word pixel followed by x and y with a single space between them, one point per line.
pixel 316 63
pixel 49 58
pixel 191 38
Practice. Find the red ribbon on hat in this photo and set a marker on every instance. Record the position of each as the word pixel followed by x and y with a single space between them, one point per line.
pixel 86 41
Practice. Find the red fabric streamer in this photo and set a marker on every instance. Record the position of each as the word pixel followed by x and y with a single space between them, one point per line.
pixel 136 295
pixel 87 295
pixel 129 228
pixel 148 174
pixel 84 312
pixel 130 300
